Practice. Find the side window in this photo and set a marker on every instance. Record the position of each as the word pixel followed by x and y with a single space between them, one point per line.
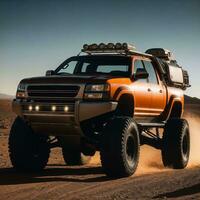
pixel 110 68
pixel 139 65
pixel 151 71
pixel 69 68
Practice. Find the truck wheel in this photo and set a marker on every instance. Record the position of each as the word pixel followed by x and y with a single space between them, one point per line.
pixel 28 151
pixel 176 144
pixel 121 147
pixel 73 157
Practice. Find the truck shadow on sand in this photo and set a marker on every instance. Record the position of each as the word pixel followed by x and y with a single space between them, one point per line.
pixel 191 190
pixel 9 176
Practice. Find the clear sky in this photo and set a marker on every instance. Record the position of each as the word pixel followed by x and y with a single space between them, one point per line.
pixel 38 35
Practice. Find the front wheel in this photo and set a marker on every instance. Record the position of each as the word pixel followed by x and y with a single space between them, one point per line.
pixel 176 144
pixel 120 147
pixel 28 151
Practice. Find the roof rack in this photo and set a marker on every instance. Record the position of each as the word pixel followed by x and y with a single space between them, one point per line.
pixel 111 48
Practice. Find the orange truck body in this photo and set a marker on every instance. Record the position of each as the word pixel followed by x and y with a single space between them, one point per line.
pixel 150 100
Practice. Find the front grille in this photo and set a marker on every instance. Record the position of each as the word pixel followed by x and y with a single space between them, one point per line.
pixel 53 91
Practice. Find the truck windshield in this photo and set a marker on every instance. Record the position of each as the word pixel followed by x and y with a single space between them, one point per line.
pixel 94 65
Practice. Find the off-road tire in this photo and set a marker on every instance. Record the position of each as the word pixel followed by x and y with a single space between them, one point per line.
pixel 28 151
pixel 74 157
pixel 176 144
pixel 120 147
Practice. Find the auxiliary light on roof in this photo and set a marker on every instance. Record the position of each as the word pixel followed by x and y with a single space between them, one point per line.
pixel 108 48
pixel 161 53
pixel 102 46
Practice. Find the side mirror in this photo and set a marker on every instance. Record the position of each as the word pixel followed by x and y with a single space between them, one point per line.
pixel 141 74
pixel 50 72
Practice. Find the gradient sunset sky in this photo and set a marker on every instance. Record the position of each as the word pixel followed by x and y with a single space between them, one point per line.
pixel 37 35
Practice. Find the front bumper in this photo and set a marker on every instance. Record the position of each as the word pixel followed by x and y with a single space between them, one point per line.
pixel 61 122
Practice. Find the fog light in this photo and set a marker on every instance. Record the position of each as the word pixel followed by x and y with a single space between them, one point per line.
pixel 66 108
pixel 37 108
pixel 53 108
pixel 30 108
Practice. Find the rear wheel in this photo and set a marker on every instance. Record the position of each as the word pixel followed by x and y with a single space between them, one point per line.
pixel 28 151
pixel 121 146
pixel 74 157
pixel 176 144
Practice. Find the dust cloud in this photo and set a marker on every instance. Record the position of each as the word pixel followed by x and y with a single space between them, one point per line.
pixel 194 123
pixel 150 159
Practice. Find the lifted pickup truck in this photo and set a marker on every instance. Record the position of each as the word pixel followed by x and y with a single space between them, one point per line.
pixel 112 99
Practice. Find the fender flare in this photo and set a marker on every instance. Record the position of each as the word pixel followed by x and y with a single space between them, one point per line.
pixel 165 115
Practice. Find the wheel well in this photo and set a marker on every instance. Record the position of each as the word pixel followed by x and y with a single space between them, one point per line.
pixel 176 110
pixel 125 105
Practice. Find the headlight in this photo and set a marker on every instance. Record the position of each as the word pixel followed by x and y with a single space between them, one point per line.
pixel 21 87
pixel 93 95
pixel 97 88
pixel 97 91
pixel 21 93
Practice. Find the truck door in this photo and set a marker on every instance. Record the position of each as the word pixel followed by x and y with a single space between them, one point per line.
pixel 157 88
pixel 142 92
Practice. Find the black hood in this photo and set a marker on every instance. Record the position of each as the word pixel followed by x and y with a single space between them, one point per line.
pixel 67 79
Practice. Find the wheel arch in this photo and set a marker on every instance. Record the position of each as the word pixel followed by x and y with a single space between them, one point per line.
pixel 125 105
pixel 176 109
pixel 173 109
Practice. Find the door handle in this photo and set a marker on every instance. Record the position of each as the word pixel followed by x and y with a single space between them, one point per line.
pixel 149 90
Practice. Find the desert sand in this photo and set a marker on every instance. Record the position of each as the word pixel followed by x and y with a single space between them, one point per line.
pixel 58 181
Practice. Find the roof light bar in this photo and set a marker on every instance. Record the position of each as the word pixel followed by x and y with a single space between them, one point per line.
pixel 108 48
pixel 118 46
pixel 102 46
pixel 85 47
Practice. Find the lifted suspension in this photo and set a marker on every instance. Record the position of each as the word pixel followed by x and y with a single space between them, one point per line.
pixel 151 138
pixel 53 142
